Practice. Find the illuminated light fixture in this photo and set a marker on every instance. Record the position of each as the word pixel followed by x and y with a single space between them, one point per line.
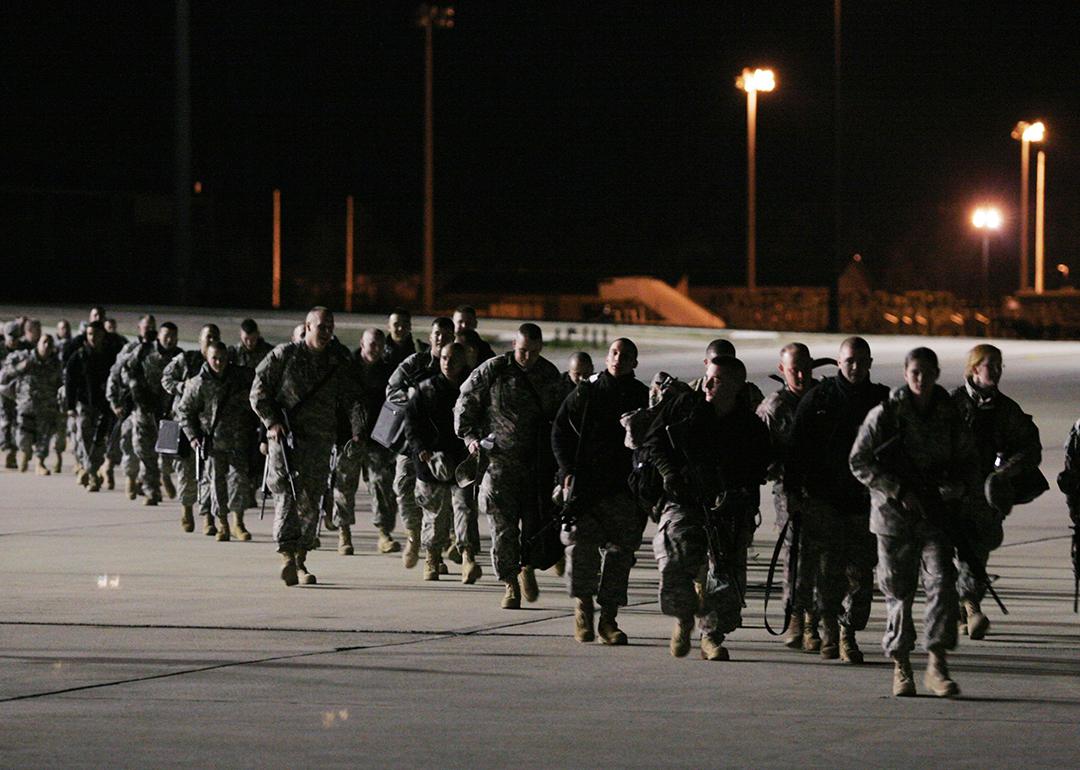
pixel 987 217
pixel 758 80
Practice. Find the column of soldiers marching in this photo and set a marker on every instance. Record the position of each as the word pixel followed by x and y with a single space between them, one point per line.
pixel 912 485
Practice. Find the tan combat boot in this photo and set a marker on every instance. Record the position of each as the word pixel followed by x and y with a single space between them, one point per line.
pixel 344 540
pixel 607 629
pixel 24 462
pixel 512 598
pixel 792 636
pixel 208 527
pixel 9 460
pixel 40 469
pixel 107 475
pixel 811 642
pixel 431 564
pixel 903 680
pixel 453 553
pixel 167 485
pixel 680 636
pixel 93 483
pixel 830 639
pixel 131 488
pixel 470 570
pixel 306 578
pixel 187 519
pixel 937 678
pixel 78 469
pixel 223 528
pixel 387 543
pixel 288 569
pixel 411 553
pixel 977 623
pixel 583 620
pixel 712 647
pixel 239 531
pixel 849 649
pixel 58 466
pixel 527 580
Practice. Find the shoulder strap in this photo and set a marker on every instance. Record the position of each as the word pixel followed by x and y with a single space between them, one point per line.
pixel 295 410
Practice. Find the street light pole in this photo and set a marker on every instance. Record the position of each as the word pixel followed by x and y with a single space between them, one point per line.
pixel 986 219
pixel 1026 133
pixel 1040 220
pixel 752 81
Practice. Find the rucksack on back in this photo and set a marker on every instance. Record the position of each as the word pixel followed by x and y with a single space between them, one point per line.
pixel 645 482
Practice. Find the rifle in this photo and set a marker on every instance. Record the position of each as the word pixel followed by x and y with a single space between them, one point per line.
pixel 936 510
pixel 1076 566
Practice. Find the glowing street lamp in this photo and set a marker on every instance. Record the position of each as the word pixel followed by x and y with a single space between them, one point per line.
pixel 1026 133
pixel 752 81
pixel 986 219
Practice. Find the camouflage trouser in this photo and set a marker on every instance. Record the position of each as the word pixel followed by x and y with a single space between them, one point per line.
pixel 129 461
pixel 507 487
pixel 405 490
pixel 682 554
pixel 296 519
pixel 444 504
pixel 7 424
pixel 846 557
pixel 600 549
pixel 799 588
pixel 35 431
pixel 144 439
pixel 899 561
pixel 376 465
pixel 189 489
pixel 985 532
pixel 90 453
pixel 227 481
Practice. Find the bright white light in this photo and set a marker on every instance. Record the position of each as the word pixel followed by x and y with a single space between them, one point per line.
pixel 1036 132
pixel 987 218
pixel 756 80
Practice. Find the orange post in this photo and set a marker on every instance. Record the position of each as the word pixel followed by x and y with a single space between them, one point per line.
pixel 275 300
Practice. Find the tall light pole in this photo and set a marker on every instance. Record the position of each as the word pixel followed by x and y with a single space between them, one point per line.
pixel 428 17
pixel 1026 133
pixel 752 81
pixel 986 219
pixel 1040 220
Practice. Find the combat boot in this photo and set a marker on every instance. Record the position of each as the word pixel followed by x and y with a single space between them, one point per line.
pixel 830 638
pixel 387 543
pixel 78 469
pixel 106 474
pixel 607 629
pixel 512 598
pixel 305 577
pixel 187 519
pixel 680 636
pixel 583 620
pixel 152 498
pixel 223 528
pixel 167 485
pixel 961 620
pixel 411 553
pixel 58 466
pixel 849 649
pixel 453 553
pixel 903 680
pixel 811 642
pixel 443 569
pixel 288 569
pixel 208 527
pixel 431 564
pixel 83 479
pixel 131 487
pixel 93 484
pixel 40 469
pixel 344 540
pixel 470 570
pixel 239 531
pixel 712 647
pixel 529 589
pixel 937 678
pixel 977 623
pixel 328 522
pixel 9 460
pixel 793 635
pixel 24 462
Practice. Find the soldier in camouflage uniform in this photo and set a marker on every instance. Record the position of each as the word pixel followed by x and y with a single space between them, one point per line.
pixel 119 396
pixel 252 348
pixel 37 376
pixel 915 481
pixel 712 453
pixel 9 345
pixel 142 374
pixel 720 347
pixel 217 419
pixel 370 373
pixel 406 377
pixel 778 413
pixel 513 396
pixel 175 375
pixel 300 392
pixel 85 377
pixel 1009 447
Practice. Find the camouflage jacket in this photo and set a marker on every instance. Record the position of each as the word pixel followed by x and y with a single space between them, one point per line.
pixel 178 371
pixel 116 390
pixel 518 406
pixel 36 380
pixel 142 372
pixel 219 402
pixel 933 448
pixel 313 391
pixel 408 375
pixel 1000 426
pixel 241 356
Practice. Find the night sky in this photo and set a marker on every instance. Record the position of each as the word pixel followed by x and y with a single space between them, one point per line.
pixel 587 137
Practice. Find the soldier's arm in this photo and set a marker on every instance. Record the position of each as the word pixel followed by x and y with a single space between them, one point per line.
pixel 416 423
pixel 566 431
pixel 1023 442
pixel 72 375
pixel 403 378
pixel 189 409
pixel 174 374
pixel 766 412
pixel 471 407
pixel 868 468
pixel 265 385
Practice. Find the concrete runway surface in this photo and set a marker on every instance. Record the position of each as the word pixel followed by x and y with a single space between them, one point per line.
pixel 126 642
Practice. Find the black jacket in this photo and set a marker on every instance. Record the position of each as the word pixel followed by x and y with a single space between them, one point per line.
pixel 429 424
pixel 605 461
pixel 85 378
